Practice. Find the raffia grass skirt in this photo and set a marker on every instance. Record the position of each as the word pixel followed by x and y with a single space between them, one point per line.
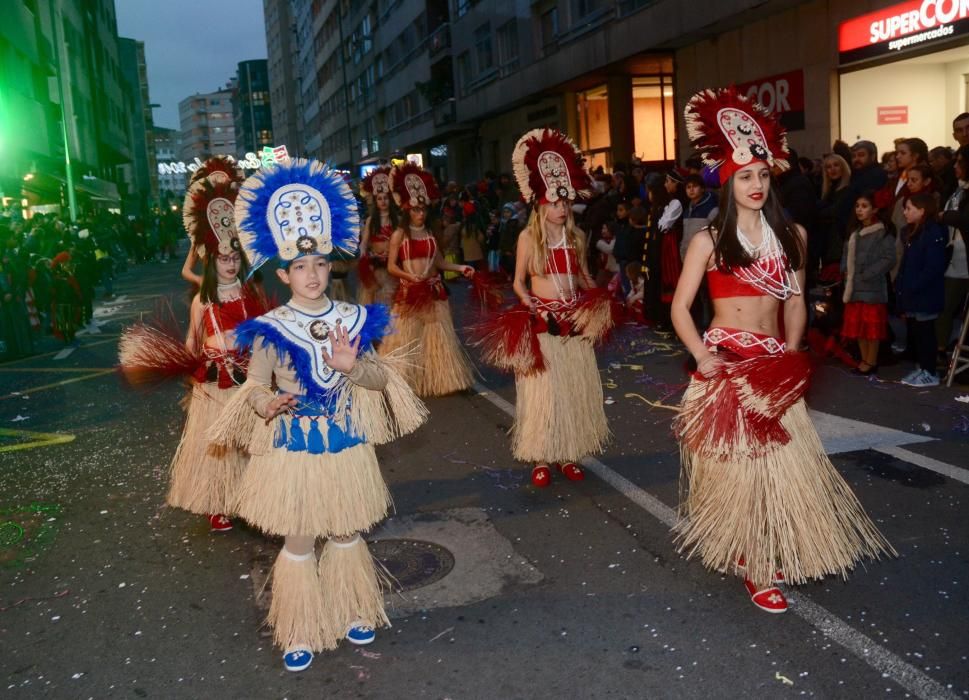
pixel 325 495
pixel 559 416
pixel 440 366
pixel 314 604
pixel 382 292
pixel 205 477
pixel 788 509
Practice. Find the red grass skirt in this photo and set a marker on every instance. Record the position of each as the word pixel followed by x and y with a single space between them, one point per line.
pixel 865 321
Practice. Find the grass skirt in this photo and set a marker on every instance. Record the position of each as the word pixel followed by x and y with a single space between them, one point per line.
pixel 324 495
pixel 559 415
pixel 440 366
pixel 205 477
pixel 785 507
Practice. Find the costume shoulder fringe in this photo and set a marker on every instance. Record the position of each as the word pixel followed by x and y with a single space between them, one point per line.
pixel 394 411
pixel 240 426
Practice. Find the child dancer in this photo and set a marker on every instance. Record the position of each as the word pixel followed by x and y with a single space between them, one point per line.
pixel 421 310
pixel 313 472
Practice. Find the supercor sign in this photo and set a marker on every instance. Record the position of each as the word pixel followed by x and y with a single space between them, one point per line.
pixel 907 25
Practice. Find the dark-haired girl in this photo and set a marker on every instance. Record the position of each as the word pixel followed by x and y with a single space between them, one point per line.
pixel 376 284
pixel 920 284
pixel 204 477
pixel 869 254
pixel 761 497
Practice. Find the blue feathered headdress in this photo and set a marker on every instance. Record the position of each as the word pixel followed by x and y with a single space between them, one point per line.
pixel 295 208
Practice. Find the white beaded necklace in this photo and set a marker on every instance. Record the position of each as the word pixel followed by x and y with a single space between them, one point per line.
pixel 430 260
pixel 768 272
pixel 562 245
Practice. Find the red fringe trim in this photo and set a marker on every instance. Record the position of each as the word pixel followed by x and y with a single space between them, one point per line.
pixel 413 298
pixel 508 341
pixel 488 289
pixel 741 409
pixel 365 272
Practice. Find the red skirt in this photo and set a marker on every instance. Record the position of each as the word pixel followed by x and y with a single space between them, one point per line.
pixel 865 321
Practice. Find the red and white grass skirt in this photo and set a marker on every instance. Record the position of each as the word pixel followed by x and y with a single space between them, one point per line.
pixel 865 321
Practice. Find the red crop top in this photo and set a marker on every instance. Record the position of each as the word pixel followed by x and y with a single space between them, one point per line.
pixel 383 235
pixel 417 248
pixel 723 283
pixel 561 261
pixel 230 314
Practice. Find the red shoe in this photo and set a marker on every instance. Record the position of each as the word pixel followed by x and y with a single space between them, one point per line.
pixel 220 523
pixel 572 471
pixel 767 599
pixel 742 568
pixel 541 476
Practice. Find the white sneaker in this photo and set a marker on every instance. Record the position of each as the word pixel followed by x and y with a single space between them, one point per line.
pixel 924 379
pixel 910 377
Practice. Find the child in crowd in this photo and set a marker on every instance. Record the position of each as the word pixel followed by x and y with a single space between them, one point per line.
pixel 920 286
pixel 869 254
pixel 634 300
pixel 493 242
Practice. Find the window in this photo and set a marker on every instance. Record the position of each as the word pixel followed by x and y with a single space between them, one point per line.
pixel 508 47
pixel 464 73
pixel 482 48
pixel 584 8
pixel 549 24
pixel 461 7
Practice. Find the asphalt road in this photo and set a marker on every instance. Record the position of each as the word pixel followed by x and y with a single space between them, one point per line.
pixel 573 591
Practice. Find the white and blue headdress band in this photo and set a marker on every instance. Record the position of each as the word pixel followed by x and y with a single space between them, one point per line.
pixel 295 208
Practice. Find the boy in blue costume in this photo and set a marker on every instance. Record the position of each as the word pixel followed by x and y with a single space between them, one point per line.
pixel 313 472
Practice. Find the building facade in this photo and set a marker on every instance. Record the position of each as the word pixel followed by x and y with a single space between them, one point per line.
pixel 456 82
pixel 171 185
pixel 252 114
pixel 142 172
pixel 62 101
pixel 207 124
pixel 281 45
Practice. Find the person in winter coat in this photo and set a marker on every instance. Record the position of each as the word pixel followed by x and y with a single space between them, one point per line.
pixel 869 254
pixel 956 217
pixel 834 213
pixel 920 286
pixel 701 210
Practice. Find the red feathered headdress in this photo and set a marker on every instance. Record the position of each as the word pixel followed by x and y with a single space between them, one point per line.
pixel 209 216
pixel 375 182
pixel 548 167
pixel 219 169
pixel 730 132
pixel 413 186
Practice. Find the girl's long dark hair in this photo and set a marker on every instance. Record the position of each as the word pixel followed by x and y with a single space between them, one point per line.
pixel 373 227
pixel 727 251
pixel 209 291
pixel 930 207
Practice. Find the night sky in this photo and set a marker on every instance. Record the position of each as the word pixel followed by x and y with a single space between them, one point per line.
pixel 191 45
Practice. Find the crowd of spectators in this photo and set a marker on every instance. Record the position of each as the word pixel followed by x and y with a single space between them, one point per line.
pixel 50 270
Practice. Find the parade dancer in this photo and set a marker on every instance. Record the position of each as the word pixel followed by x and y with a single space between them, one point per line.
pixel 548 341
pixel 761 499
pixel 376 283
pixel 313 472
pixel 422 314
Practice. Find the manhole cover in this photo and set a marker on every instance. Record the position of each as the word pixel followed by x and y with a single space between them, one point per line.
pixel 414 563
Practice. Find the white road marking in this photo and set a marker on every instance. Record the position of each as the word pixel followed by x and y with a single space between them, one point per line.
pixel 953 472
pixel 834 628
pixel 65 353
pixel 846 435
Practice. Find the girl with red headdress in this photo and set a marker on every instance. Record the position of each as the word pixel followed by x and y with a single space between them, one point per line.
pixel 422 313
pixel 376 283
pixel 204 477
pixel 548 341
pixel 761 499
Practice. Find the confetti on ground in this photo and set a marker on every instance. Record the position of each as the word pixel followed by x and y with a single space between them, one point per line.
pixel 783 679
pixel 653 404
pixel 963 399
pixel 19 418
pixel 438 636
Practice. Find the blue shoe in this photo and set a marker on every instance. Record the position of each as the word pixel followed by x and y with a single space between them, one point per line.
pixel 361 634
pixel 297 659
pixel 910 377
